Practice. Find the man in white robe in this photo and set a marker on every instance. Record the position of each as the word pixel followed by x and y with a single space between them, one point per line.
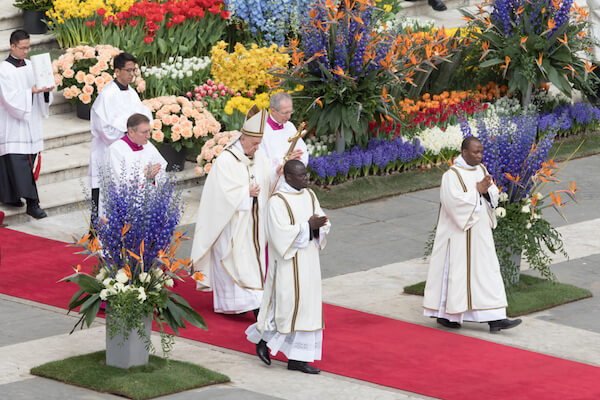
pixel 464 281
pixel 22 105
pixel 291 313
pixel 229 239
pixel 278 131
pixel 109 114
pixel 134 155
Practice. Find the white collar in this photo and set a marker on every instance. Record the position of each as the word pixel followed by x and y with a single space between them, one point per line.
pixel 285 187
pixel 460 162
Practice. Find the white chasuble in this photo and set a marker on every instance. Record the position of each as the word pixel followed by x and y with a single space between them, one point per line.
pixel 229 240
pixel 108 120
pixel 464 273
pixel 127 164
pixel 20 110
pixel 293 285
pixel 275 144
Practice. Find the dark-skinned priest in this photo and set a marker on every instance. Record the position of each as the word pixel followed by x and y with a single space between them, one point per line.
pixel 22 105
pixel 464 281
pixel 108 117
pixel 229 240
pixel 291 314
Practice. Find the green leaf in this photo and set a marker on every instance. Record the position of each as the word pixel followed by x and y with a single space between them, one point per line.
pixel 559 81
pixel 490 63
pixel 162 45
pixel 90 314
pixel 87 283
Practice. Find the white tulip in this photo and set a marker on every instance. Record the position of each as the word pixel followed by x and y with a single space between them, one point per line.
pixel 121 276
pixel 500 212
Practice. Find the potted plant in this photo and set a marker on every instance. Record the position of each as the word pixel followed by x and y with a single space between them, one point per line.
pixel 34 14
pixel 83 71
pixel 134 244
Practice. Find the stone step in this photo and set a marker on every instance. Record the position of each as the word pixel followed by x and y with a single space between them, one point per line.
pixel 64 163
pixel 65 130
pixel 10 17
pixel 69 195
pixel 60 105
pixel 38 43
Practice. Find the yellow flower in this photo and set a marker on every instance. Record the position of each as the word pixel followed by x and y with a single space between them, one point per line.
pixel 387 8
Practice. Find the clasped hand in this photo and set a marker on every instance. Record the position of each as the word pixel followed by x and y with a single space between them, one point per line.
pixel 35 90
pixel 254 190
pixel 484 184
pixel 315 222
pixel 152 170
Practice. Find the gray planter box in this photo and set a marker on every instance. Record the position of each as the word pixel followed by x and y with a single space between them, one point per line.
pixel 127 353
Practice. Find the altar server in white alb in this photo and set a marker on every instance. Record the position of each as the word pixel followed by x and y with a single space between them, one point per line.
pixel 291 314
pixel 109 114
pixel 464 281
pixel 22 105
pixel 133 156
pixel 278 131
pixel 229 241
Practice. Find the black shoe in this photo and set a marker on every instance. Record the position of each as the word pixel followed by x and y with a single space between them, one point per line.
pixel 447 323
pixel 437 5
pixel 302 366
pixel 36 211
pixel 15 203
pixel 497 326
pixel 262 352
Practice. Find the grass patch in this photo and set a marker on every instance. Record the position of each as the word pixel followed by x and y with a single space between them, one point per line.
pixel 376 187
pixel 158 378
pixel 530 295
pixel 563 148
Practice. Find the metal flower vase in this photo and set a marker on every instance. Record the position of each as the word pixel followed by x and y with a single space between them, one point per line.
pixel 512 271
pixel 83 110
pixel 175 158
pixel 130 352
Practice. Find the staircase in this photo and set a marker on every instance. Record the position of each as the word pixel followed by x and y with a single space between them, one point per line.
pixel 62 184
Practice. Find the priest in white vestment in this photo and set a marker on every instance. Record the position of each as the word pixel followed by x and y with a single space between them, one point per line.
pixel 278 131
pixel 464 281
pixel 133 157
pixel 22 106
pixel 109 114
pixel 291 313
pixel 229 240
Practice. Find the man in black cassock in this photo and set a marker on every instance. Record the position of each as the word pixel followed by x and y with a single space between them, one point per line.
pixel 22 105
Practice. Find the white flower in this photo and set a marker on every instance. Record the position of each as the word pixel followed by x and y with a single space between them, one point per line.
pixel 537 216
pixel 503 197
pixel 122 276
pixel 108 282
pixel 528 226
pixel 111 291
pixel 119 287
pixel 539 196
pixel 126 288
pixel 102 275
pixel 142 294
pixel 500 212
pixel 144 277
pixel 104 293
pixel 157 272
pixel 526 209
pixel 169 282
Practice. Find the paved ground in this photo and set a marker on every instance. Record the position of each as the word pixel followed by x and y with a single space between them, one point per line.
pixel 374 250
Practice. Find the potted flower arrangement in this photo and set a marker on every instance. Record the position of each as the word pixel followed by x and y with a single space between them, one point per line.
pixel 83 71
pixel 211 149
pixel 34 14
pixel 519 164
pixel 134 245
pixel 178 124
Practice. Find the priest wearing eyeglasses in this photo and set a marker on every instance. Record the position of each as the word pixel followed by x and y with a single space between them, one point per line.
pixel 22 105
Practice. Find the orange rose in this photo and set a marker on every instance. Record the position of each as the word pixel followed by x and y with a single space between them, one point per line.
pixel 88 89
pixel 156 124
pixel 175 136
pixel 89 79
pixel 80 76
pixel 158 136
pixel 207 168
pixel 69 73
pixel 187 133
pixel 85 98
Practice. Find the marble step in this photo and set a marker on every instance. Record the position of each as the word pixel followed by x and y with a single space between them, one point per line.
pixel 64 163
pixel 10 17
pixel 38 43
pixel 60 105
pixel 65 130
pixel 70 195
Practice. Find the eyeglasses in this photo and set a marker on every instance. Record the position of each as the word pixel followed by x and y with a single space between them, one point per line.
pixel 284 113
pixel 23 48
pixel 131 70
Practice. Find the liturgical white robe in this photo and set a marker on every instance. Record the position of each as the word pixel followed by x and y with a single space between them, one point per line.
pixel 108 120
pixel 229 240
pixel 464 280
pixel 20 111
pixel 124 162
pixel 275 144
pixel 291 314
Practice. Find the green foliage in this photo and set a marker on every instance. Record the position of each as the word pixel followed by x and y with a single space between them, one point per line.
pixel 33 5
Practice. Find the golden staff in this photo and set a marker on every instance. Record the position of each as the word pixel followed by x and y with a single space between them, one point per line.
pixel 300 133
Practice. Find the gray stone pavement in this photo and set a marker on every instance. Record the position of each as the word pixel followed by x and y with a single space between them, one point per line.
pixel 363 238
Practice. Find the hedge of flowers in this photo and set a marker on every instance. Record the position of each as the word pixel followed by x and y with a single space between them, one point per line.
pixel 380 157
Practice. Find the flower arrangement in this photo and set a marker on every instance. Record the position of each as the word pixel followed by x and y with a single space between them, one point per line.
pixel 175 76
pixel 536 41
pixel 211 149
pixel 348 69
pixel 380 157
pixel 214 96
pixel 134 245
pixel 519 165
pixel 68 19
pixel 270 21
pixel 83 71
pixel 318 146
pixel 179 121
pixel 247 69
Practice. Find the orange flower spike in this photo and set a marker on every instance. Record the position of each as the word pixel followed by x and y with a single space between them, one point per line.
pixel 510 177
pixel 572 188
pixel 520 10
pixel 198 276
pixel 523 40
pixel 539 60
pixel 544 12
pixel 564 39
pixel 338 71
pixel 569 67
pixel 142 248
pixel 132 254
pixel 77 269
pixel 551 24
pixel 589 67
pixel 125 229
pixel 384 94
pixel 534 200
pixel 83 239
pixel 95 245
pixel 127 271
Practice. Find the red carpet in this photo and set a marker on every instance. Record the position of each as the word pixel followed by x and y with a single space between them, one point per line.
pixel 356 344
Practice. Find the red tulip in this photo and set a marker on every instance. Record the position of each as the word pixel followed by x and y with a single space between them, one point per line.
pixel 223 92
pixel 209 91
pixel 197 90
pixel 198 97
pixel 203 93
pixel 225 14
pixel 189 94
pixel 133 22
pixel 101 12
pixel 215 95
pixel 169 24
pixel 148 39
pixel 209 82
pixel 231 91
pixel 220 86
